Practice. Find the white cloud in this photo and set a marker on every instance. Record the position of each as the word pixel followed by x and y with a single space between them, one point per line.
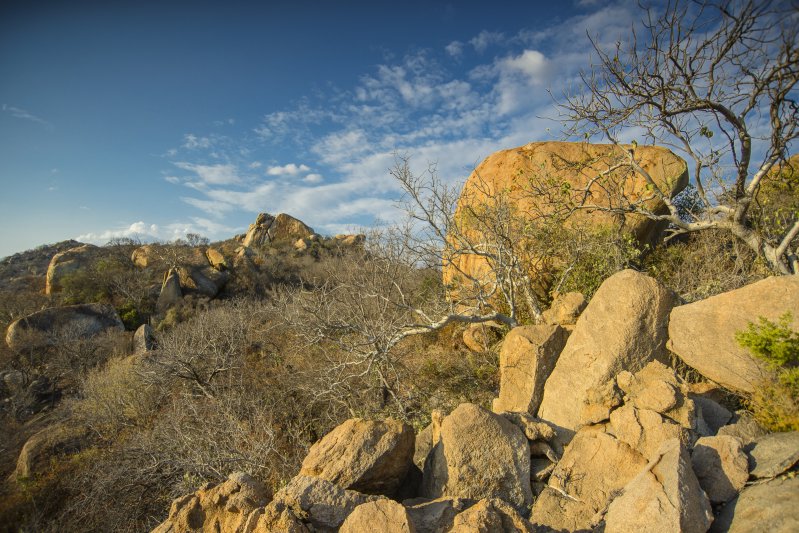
pixel 138 230
pixel 172 179
pixel 221 174
pixel 313 178
pixel 455 49
pixel 17 112
pixel 287 170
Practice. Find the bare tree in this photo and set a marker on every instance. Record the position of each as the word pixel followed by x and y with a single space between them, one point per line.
pixel 716 81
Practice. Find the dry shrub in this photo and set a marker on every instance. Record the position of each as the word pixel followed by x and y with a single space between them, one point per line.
pixel 705 264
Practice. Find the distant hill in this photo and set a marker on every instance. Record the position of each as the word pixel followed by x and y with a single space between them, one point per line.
pixel 24 267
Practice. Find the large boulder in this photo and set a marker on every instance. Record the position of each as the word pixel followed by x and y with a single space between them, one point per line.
pixel 205 280
pixel 703 333
pixel 170 293
pixel 69 262
pixel 51 326
pixel 645 430
pixel 144 339
pixel 479 455
pixel 268 229
pixel 38 452
pixel 663 498
pixel 216 259
pixel 526 359
pixel 770 506
pixel 594 467
pixel 623 328
pixel 382 515
pixel 576 167
pixel 371 457
pixel 721 466
pixel 225 507
pixel 323 504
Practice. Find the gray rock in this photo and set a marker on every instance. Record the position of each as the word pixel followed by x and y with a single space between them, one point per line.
pixel 325 504
pixel 744 427
pixel 57 324
pixel 770 506
pixel 773 454
pixel 721 466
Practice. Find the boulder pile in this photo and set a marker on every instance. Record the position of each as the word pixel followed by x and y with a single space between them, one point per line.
pixel 593 430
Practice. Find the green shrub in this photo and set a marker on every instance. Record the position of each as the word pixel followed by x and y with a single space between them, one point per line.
pixel 775 401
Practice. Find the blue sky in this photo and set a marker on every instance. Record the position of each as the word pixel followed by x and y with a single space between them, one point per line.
pixel 153 119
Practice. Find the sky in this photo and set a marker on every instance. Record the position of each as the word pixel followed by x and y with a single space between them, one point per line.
pixel 154 119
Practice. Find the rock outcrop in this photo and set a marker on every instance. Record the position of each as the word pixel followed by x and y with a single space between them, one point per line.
pixel 479 455
pixel 526 360
pixel 223 507
pixel 50 326
pixel 574 164
pixel 491 515
pixel 622 328
pixel 170 293
pixel 69 262
pixel 144 339
pixel 367 456
pixel 703 333
pixel 268 229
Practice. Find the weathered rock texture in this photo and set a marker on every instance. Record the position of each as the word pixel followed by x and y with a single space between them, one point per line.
pixel 703 333
pixel 224 507
pixel 507 172
pixel 479 455
pixel 721 466
pixel 367 456
pixel 435 516
pixel 773 454
pixel 526 360
pixel 382 515
pixel 665 497
pixel 565 309
pixel 324 505
pixel 268 229
pixel 770 506
pixel 491 516
pixel 69 262
pixel 170 293
pixel 47 444
pixel 594 467
pixel 144 339
pixel 216 259
pixel 480 337
pixel 49 326
pixel 623 328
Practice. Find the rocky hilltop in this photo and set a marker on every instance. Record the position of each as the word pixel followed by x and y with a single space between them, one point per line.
pixel 620 443
pixel 286 381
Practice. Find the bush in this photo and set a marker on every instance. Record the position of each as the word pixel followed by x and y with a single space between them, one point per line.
pixel 775 401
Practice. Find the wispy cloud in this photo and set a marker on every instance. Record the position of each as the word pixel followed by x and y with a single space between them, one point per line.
pixel 431 105
pixel 485 38
pixel 221 174
pixel 17 112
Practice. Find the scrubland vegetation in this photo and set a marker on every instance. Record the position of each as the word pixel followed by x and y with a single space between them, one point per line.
pixel 299 341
